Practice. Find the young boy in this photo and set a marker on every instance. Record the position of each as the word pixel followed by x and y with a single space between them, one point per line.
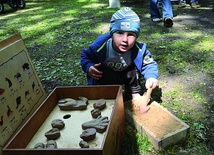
pixel 117 57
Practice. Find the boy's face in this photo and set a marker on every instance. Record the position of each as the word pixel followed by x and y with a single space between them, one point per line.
pixel 123 41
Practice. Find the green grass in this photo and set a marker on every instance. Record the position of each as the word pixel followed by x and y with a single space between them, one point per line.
pixel 56 31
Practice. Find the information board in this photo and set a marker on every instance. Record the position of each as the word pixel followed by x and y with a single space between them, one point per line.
pixel 21 91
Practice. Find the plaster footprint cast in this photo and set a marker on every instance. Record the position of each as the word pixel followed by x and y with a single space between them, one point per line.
pixel 52 134
pixel 88 134
pixel 39 146
pixel 58 123
pixel 83 144
pixel 100 104
pixel 51 144
pixel 95 113
pixel 100 124
pixel 71 104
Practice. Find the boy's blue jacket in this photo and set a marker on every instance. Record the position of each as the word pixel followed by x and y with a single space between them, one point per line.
pixel 97 51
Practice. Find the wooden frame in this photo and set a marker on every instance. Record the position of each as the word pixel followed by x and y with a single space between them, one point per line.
pixel 114 133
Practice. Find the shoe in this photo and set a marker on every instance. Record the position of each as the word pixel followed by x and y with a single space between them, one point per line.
pixel 157 19
pixel 182 4
pixel 168 22
pixel 195 5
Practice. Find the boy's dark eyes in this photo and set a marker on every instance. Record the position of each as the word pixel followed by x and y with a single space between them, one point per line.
pixel 129 33
pixel 120 32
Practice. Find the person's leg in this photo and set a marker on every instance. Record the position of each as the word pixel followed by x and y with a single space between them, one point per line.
pixel 167 9
pixel 193 1
pixel 167 13
pixel 132 85
pixel 154 10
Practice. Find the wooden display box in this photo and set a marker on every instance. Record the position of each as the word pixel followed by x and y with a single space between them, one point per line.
pixel 112 137
pixel 162 127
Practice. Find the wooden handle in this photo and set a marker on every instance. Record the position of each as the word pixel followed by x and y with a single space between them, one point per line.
pixel 148 95
pixel 144 106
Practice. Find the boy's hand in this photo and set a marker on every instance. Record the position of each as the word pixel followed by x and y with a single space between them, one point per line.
pixel 151 83
pixel 94 73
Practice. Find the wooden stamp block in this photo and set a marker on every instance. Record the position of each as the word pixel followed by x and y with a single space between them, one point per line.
pixel 162 128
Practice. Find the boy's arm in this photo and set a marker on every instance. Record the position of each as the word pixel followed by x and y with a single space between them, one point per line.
pixel 146 64
pixel 90 56
pixel 149 69
pixel 86 60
